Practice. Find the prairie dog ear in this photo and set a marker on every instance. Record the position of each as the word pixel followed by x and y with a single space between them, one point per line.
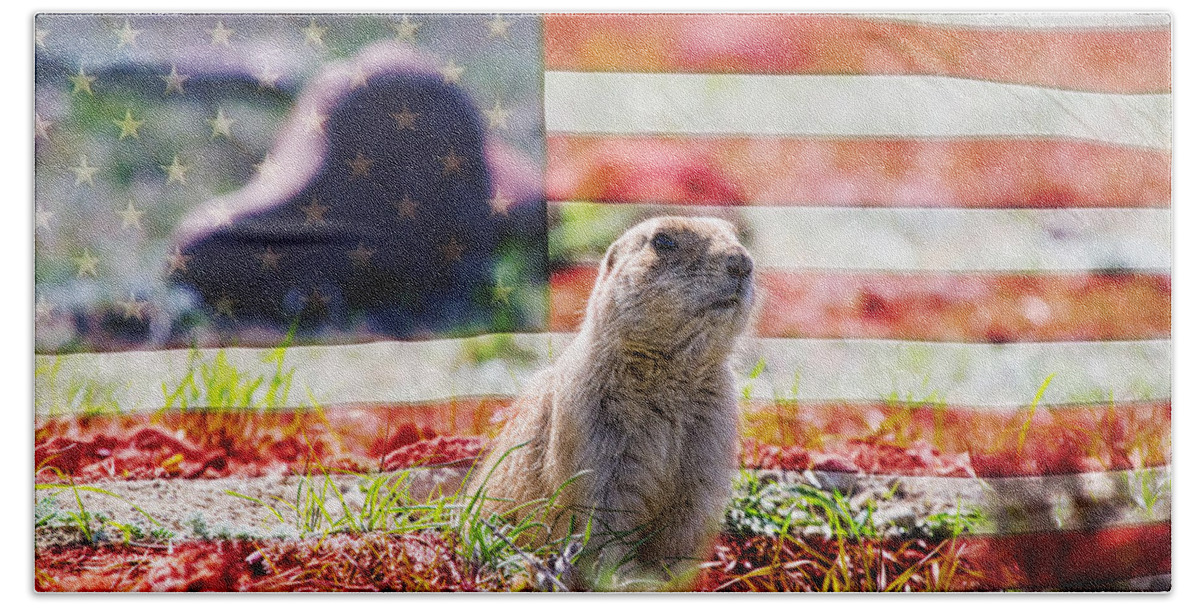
pixel 610 259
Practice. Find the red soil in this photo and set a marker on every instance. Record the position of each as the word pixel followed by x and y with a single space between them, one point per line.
pixel 845 438
pixel 427 562
pixel 150 451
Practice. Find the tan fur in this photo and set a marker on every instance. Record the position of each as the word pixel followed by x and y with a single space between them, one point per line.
pixel 642 400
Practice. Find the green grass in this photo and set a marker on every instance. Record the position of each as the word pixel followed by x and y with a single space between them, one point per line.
pixel 943 526
pixel 75 395
pixel 518 545
pixel 762 507
pixel 93 526
pixel 1029 417
pixel 516 541
pixel 1151 487
pixel 778 550
pixel 901 428
pixel 822 538
pixel 218 386
pixel 759 367
pixel 228 400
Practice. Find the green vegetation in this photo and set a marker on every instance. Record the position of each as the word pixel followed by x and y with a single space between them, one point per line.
pixel 755 372
pixel 74 395
pixel 229 402
pixel 517 541
pixel 783 533
pixel 218 386
pixel 901 426
pixel 1150 487
pixel 93 527
pixel 776 508
pixel 1032 409
pixel 795 537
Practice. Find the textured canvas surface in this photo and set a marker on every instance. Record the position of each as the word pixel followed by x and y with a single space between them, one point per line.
pixel 292 270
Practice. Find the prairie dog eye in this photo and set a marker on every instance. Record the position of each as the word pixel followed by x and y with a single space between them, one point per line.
pixel 662 242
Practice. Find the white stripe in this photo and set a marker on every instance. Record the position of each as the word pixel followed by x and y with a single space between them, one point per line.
pixel 909 239
pixel 1063 19
pixel 1075 502
pixel 1034 503
pixel 377 371
pixel 846 106
pixel 1016 505
pixel 983 375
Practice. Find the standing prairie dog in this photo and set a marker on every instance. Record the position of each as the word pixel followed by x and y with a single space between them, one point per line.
pixel 641 406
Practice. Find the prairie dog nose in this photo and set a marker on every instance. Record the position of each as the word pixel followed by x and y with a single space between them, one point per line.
pixel 739 264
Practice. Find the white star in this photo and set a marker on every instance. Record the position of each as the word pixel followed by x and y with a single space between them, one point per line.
pixel 85 173
pixel 224 306
pixel 315 121
pixel 314 213
pixel 500 204
pixel 360 255
pixel 129 126
pixel 131 217
pixel 267 78
pixel 178 261
pixel 360 165
pixel 41 127
pixel 127 35
pixel 220 125
pixel 270 258
pixel 452 250
pixel 405 119
pixel 176 171
pixel 451 163
pixel 43 309
pixel 133 308
pixel 81 82
pixel 498 27
pixel 406 29
pixel 220 34
pixel 87 263
pixel 452 72
pixel 497 116
pixel 174 81
pixel 316 298
pixel 43 217
pixel 407 208
pixel 501 293
pixel 313 33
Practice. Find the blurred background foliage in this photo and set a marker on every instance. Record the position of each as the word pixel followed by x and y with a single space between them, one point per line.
pixel 120 99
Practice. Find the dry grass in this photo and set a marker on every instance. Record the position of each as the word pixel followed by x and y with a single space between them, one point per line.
pixel 786 563
pixel 372 562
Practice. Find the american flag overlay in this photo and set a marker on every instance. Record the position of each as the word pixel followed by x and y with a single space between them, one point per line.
pixel 291 270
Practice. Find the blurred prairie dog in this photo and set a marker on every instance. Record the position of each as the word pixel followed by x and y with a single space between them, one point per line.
pixel 642 401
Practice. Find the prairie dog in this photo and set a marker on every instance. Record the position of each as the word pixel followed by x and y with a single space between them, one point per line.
pixel 642 402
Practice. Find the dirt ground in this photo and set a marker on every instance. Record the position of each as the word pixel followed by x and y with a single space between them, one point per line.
pixel 205 508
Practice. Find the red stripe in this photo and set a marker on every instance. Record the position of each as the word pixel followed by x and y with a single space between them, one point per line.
pixel 1095 560
pixel 1086 559
pixel 881 438
pixel 945 440
pixel 971 307
pixel 1103 60
pixel 856 172
pixel 1092 559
